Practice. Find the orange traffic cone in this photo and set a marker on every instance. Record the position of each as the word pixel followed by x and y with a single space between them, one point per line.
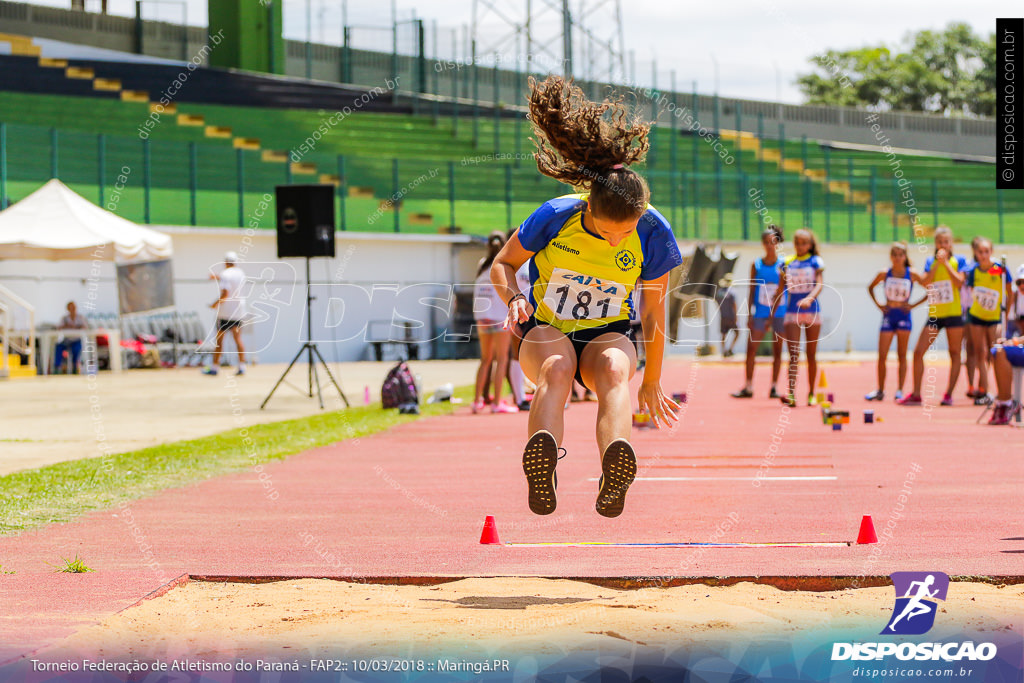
pixel 867 531
pixel 489 536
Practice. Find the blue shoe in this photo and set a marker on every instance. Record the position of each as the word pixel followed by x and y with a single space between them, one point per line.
pixel 877 395
pixel 210 371
pixel 899 395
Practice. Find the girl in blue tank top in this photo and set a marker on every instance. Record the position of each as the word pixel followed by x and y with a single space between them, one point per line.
pixel 899 281
pixel 764 283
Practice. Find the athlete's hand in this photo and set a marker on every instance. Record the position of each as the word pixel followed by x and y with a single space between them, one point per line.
pixel 805 302
pixel 941 256
pixel 653 401
pixel 905 307
pixel 884 308
pixel 518 312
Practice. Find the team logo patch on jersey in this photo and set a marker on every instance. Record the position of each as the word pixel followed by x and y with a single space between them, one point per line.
pixel 625 260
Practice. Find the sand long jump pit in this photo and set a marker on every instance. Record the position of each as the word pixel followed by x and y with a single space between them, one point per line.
pixel 291 625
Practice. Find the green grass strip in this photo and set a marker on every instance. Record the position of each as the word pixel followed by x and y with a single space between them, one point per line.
pixel 63 491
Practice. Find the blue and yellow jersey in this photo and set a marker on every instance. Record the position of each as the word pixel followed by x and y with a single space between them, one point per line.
pixel 988 288
pixel 897 289
pixel 578 280
pixel 801 276
pixel 943 297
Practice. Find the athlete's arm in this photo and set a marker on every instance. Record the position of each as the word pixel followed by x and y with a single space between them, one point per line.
pixel 819 284
pixel 778 293
pixel 871 289
pixel 928 277
pixel 652 318
pixel 503 276
pixel 223 296
pixel 751 298
pixel 956 276
pixel 1010 299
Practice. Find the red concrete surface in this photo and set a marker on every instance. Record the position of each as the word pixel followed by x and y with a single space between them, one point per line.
pixel 412 501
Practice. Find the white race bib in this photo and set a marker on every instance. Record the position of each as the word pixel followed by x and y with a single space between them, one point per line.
pixel 574 296
pixel 987 299
pixel 940 292
pixel 766 293
pixel 800 280
pixel 897 290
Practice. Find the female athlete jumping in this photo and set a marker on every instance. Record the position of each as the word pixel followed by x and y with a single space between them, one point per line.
pixel 590 251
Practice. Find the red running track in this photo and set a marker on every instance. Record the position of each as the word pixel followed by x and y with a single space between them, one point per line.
pixel 412 501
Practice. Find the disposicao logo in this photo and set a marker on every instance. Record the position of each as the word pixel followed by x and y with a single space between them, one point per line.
pixel 917 596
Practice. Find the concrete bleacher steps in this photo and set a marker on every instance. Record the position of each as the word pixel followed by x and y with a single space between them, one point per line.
pixel 20 45
pixel 38 94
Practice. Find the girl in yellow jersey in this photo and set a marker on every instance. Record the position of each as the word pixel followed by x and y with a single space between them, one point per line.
pixel 589 251
pixel 990 286
pixel 943 277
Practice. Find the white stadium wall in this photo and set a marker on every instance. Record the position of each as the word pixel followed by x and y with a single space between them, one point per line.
pixel 369 269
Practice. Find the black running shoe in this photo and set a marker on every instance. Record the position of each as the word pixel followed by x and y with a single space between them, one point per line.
pixel 539 460
pixel 618 467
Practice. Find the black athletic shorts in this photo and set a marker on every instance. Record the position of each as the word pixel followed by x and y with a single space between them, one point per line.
pixel 225 325
pixel 579 339
pixel 973 320
pixel 946 322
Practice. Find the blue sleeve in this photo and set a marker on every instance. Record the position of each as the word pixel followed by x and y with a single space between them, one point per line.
pixel 969 280
pixel 544 224
pixel 819 263
pixel 928 262
pixel 660 250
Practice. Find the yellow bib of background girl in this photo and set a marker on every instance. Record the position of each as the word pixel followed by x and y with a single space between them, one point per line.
pixel 943 296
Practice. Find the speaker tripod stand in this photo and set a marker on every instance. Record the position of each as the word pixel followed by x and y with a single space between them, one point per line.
pixel 312 357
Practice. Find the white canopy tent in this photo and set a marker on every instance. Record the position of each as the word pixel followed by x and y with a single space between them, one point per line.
pixel 55 224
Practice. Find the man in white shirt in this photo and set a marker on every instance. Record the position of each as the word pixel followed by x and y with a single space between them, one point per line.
pixel 231 311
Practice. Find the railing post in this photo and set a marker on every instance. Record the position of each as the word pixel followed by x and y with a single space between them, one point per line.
pixel 394 194
pixel 873 188
pixel 3 166
pixel 193 180
pixel 146 181
pixel 53 152
pixel 451 194
pixel 240 165
pixel 101 162
pixel 342 192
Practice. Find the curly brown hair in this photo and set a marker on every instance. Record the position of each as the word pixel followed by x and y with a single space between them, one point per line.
pixel 579 145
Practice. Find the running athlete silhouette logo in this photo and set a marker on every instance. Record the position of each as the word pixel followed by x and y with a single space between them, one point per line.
pixel 916 596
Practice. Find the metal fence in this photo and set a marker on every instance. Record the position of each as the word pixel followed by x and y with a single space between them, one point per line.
pixel 197 183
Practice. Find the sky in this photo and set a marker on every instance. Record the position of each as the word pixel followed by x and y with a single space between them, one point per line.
pixel 759 47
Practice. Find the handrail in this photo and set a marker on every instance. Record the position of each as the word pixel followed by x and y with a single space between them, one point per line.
pixel 8 333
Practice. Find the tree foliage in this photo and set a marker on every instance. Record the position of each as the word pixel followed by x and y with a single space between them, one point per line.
pixel 950 71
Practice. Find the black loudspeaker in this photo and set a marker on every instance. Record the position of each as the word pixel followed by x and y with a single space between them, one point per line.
pixel 305 220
